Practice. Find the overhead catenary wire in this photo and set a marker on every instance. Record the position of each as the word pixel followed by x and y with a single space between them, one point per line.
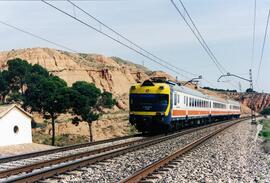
pixel 128 40
pixel 44 39
pixel 197 37
pixel 220 67
pixel 263 46
pixel 200 38
pixel 203 40
pixel 114 39
pixel 38 37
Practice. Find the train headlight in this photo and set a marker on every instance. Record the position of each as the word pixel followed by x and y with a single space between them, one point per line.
pixel 161 87
pixel 133 88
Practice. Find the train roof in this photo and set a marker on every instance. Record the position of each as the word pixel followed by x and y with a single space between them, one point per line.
pixel 189 91
pixel 233 102
pixel 196 93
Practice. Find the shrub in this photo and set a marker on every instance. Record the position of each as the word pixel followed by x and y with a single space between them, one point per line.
pixel 266 111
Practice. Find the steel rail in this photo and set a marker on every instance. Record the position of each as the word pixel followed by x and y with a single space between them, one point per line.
pixel 145 172
pixel 62 149
pixel 81 159
pixel 58 160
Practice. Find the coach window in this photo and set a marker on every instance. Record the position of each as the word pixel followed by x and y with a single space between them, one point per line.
pixel 174 98
pixel 178 99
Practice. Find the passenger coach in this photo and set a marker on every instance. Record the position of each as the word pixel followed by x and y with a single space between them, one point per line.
pixel 159 105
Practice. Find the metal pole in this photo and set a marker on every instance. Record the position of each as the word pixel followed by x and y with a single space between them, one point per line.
pixel 253 115
pixel 252 105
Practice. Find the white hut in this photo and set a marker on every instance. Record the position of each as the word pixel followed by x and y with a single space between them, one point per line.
pixel 15 125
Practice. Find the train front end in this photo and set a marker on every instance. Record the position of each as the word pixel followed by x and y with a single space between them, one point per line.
pixel 150 106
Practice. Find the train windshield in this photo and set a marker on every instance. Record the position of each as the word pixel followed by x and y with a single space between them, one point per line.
pixel 149 102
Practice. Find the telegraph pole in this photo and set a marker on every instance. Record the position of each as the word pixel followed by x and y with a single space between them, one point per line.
pixel 252 107
pixel 253 115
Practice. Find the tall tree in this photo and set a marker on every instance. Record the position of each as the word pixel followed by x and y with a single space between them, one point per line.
pixel 50 96
pixel 18 71
pixel 4 89
pixel 87 101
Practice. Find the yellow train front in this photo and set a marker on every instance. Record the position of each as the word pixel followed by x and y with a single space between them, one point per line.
pixel 150 106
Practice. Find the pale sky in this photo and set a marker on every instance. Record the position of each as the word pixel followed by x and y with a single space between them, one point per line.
pixel 156 26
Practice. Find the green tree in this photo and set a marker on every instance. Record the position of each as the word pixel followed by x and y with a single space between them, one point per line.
pixel 87 102
pixel 4 89
pixel 18 71
pixel 39 70
pixel 49 96
pixel 266 111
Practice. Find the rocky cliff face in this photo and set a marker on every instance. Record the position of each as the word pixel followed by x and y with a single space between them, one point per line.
pixel 105 72
pixel 109 74
pixel 261 100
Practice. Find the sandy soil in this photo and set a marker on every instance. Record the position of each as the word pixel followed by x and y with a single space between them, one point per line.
pixel 22 148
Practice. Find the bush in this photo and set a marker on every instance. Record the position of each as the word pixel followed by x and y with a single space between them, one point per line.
pixel 266 111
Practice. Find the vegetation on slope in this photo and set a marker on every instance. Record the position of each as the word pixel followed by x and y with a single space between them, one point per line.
pixel 219 90
pixel 266 111
pixel 125 62
pixel 265 133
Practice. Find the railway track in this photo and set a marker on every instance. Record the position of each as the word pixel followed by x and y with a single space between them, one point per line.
pixel 49 168
pixel 147 174
pixel 63 149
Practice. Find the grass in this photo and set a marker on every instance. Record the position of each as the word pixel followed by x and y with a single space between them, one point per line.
pixel 265 133
pixel 60 140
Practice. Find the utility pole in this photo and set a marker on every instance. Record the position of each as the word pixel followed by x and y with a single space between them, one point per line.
pixel 253 115
pixel 252 107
